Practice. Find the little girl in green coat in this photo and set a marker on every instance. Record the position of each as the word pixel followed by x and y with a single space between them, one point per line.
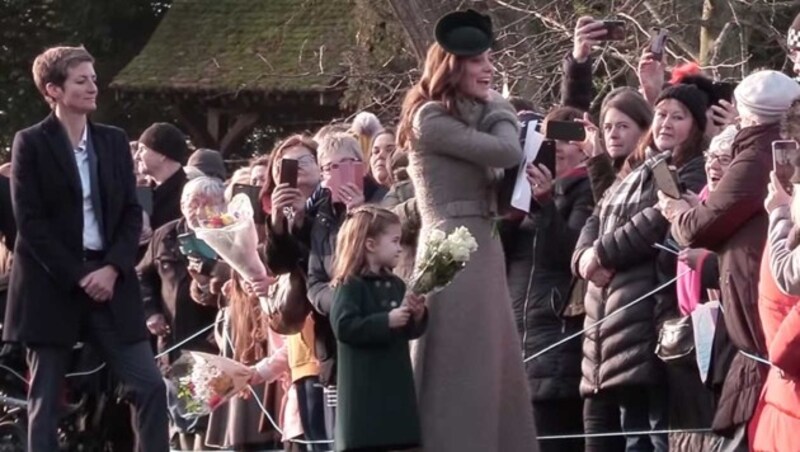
pixel 373 319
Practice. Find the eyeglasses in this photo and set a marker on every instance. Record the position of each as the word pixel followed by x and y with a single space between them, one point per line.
pixel 335 165
pixel 304 161
pixel 722 159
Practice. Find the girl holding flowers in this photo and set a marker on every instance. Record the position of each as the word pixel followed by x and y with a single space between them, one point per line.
pixel 373 319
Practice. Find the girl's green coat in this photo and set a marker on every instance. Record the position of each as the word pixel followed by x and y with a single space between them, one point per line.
pixel 377 404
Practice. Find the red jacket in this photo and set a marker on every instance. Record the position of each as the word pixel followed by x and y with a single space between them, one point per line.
pixel 776 422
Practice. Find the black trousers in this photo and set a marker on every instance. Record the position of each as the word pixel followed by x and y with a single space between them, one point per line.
pixel 627 409
pixel 132 363
pixel 559 417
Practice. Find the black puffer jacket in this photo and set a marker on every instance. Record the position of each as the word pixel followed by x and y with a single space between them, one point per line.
pixel 620 352
pixel 538 265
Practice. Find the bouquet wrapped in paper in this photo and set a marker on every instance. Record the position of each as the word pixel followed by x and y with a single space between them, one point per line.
pixel 202 382
pixel 445 256
pixel 233 236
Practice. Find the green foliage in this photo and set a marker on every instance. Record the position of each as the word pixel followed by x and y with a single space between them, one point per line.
pixel 112 30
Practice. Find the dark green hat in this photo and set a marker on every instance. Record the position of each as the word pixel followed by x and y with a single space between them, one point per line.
pixel 465 33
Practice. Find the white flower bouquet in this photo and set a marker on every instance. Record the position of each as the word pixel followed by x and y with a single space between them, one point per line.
pixel 445 256
pixel 202 382
pixel 233 236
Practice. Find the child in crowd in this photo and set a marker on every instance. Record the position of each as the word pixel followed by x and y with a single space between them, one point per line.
pixel 373 319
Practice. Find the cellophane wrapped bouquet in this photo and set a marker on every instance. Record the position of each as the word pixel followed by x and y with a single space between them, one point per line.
pixel 444 256
pixel 202 382
pixel 232 235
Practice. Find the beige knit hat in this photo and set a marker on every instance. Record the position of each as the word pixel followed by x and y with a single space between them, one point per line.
pixel 766 94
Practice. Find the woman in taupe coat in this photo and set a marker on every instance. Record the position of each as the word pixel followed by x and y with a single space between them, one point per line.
pixel 471 384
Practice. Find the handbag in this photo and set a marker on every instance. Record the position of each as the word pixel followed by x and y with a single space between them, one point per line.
pixel 676 340
pixel 289 302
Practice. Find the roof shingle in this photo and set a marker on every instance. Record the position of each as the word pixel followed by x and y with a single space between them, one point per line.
pixel 244 45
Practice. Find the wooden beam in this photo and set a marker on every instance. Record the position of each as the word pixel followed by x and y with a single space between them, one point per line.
pixel 196 123
pixel 237 133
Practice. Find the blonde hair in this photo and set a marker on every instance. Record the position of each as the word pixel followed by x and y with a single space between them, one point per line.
pixel 329 130
pixel 53 65
pixel 338 142
pixel 724 141
pixel 365 222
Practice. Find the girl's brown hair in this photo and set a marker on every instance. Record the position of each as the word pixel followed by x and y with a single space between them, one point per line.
pixel 248 325
pixel 365 222
pixel 274 159
pixel 439 82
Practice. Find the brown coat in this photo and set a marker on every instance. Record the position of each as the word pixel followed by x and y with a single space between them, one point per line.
pixel 473 395
pixel 733 224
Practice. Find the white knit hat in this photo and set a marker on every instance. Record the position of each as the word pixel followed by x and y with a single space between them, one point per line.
pixel 766 94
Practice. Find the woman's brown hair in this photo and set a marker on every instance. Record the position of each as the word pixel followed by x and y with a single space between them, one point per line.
pixel 248 325
pixel 631 104
pixel 561 114
pixel 385 131
pixel 274 159
pixel 694 146
pixel 365 222
pixel 439 82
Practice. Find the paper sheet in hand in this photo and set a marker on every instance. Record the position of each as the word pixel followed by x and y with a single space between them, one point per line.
pixel 521 197
pixel 704 325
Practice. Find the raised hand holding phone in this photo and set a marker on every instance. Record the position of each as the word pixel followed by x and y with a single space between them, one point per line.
pixel 658 43
pixel 541 180
pixel 776 195
pixel 346 184
pixel 651 75
pixel 588 33
pixel 784 155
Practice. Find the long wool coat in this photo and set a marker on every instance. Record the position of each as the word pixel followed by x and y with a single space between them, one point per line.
pixel 473 394
pixel 377 405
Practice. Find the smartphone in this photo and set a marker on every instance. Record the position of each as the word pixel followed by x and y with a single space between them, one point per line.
pixel 658 43
pixel 784 154
pixel 253 192
pixel 565 131
pixel 289 169
pixel 145 197
pixel 344 174
pixel 547 156
pixel 667 179
pixel 615 30
pixel 724 90
pixel 190 245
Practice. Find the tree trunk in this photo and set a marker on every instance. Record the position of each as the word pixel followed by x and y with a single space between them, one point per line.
pixel 719 37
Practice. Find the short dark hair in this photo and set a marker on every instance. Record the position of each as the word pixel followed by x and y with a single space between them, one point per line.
pixel 52 66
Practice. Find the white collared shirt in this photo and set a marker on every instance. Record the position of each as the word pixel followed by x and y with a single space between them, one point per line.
pixel 92 238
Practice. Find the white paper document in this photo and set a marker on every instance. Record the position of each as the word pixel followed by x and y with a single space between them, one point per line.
pixel 521 198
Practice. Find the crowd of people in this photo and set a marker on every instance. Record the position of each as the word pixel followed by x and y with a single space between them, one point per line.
pixel 611 315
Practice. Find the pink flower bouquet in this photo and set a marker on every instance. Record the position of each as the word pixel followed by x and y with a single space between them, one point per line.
pixel 203 382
